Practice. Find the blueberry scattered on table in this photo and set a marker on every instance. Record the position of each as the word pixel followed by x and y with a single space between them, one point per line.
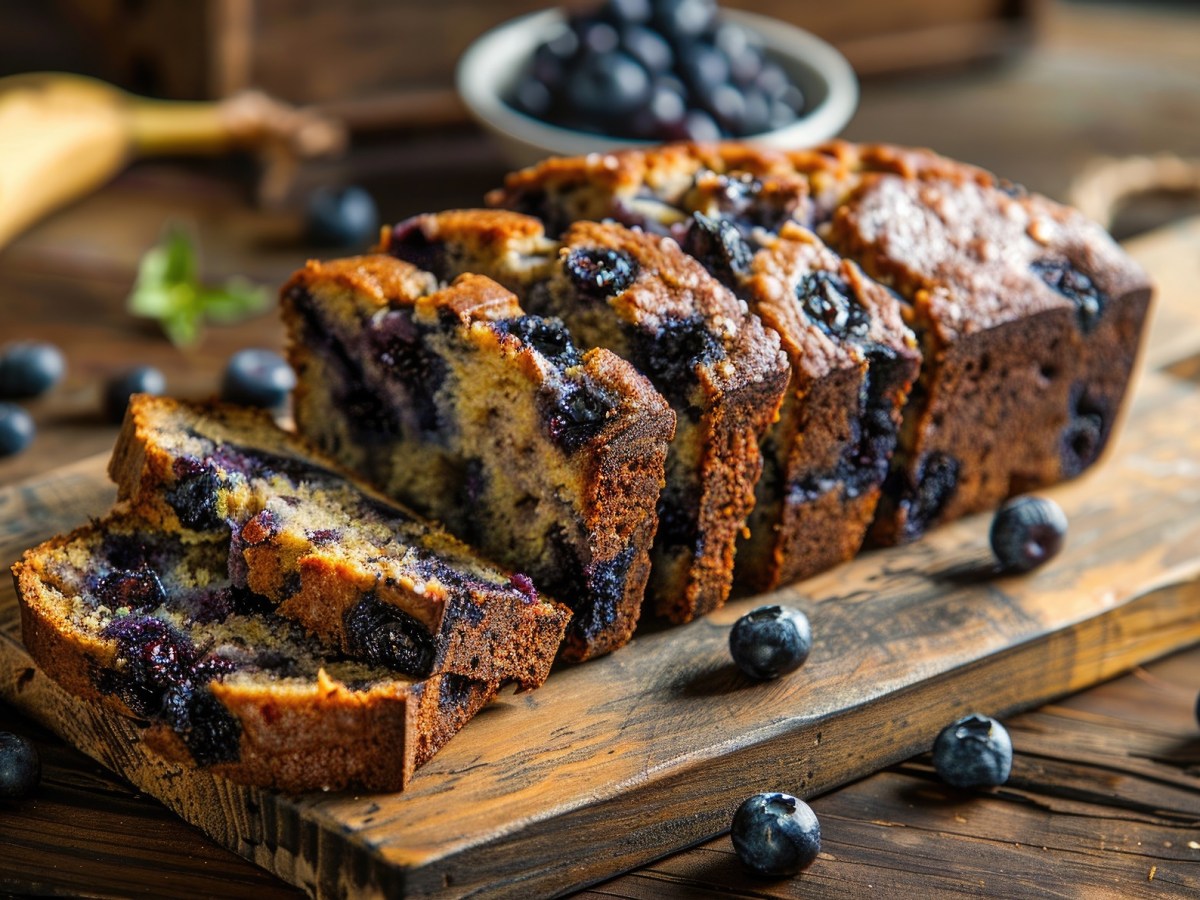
pixel 341 217
pixel 1027 532
pixel 119 388
pixel 20 767
pixel 657 70
pixel 257 378
pixel 16 429
pixel 770 641
pixel 29 368
pixel 776 834
pixel 975 751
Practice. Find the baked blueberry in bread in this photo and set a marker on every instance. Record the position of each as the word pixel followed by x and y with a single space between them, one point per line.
pixel 121 613
pixel 546 457
pixel 737 211
pixel 367 576
pixel 643 298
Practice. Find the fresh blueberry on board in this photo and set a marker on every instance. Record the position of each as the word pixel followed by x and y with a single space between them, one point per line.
pixel 770 641
pixel 975 751
pixel 20 767
pixel 29 368
pixel 341 217
pixel 119 388
pixel 257 378
pixel 16 429
pixel 1027 532
pixel 776 834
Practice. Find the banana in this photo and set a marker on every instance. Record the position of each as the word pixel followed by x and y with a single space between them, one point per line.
pixel 62 136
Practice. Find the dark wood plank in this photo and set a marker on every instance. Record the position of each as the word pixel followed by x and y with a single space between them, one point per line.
pixel 1104 802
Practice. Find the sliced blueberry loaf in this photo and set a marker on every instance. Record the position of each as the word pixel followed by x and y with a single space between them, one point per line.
pixel 151 626
pixel 736 210
pixel 640 296
pixel 1029 318
pixel 493 422
pixel 363 574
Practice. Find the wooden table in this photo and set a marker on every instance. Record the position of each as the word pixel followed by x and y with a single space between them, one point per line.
pixel 1105 794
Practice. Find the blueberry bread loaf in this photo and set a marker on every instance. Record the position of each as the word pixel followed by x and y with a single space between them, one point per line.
pixel 548 459
pixel 736 210
pixel 365 575
pixel 1029 319
pixel 640 296
pixel 151 626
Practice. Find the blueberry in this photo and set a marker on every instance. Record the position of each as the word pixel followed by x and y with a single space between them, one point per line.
pixel 770 641
pixel 385 635
pixel 681 20
pixel 1027 532
pixel 701 127
pixel 776 834
pixel 29 368
pixel 605 86
pixel 1077 287
pixel 20 767
pixel 828 303
pixel 257 378
pixel 975 751
pixel 719 246
pixel 662 116
pixel 649 48
pixel 16 429
pixel 341 217
pixel 624 12
pixel 119 388
pixel 703 67
pixel 532 97
pixel 596 37
pixel 599 272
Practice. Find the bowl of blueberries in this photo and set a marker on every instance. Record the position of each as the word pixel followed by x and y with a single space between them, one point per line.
pixel 630 72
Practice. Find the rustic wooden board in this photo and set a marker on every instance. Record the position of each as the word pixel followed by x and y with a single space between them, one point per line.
pixel 616 762
pixel 624 759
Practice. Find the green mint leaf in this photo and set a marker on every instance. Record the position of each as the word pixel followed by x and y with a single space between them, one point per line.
pixel 238 299
pixel 168 290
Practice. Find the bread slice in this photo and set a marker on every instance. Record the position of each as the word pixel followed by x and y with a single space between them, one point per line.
pixel 1029 317
pixel 640 296
pixel 120 613
pixel 362 573
pixel 737 210
pixel 548 459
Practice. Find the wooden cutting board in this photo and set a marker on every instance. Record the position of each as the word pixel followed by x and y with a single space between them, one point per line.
pixel 624 759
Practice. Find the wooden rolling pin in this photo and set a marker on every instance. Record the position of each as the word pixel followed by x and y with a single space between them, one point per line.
pixel 62 136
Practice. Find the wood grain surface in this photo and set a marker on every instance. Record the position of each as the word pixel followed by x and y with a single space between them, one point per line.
pixel 619 761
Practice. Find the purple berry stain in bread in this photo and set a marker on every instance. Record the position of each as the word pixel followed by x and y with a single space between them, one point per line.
pixel 671 354
pixel 399 345
pixel 137 589
pixel 548 337
pixel 1077 287
pixel 829 304
pixel 387 636
pixel 1085 433
pixel 193 497
pixel 409 242
pixel 607 580
pixel 599 273
pixel 936 482
pixel 719 246
pixel 523 584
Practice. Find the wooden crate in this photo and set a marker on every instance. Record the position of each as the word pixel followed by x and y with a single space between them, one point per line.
pixel 391 62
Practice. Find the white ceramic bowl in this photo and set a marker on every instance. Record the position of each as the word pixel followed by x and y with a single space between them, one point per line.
pixel 491 65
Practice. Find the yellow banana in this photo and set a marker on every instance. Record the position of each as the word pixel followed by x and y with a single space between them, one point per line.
pixel 62 136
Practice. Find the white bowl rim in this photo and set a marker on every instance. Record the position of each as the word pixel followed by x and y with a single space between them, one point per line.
pixel 478 85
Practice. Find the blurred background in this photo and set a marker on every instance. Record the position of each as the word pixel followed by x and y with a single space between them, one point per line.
pixel 1034 89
